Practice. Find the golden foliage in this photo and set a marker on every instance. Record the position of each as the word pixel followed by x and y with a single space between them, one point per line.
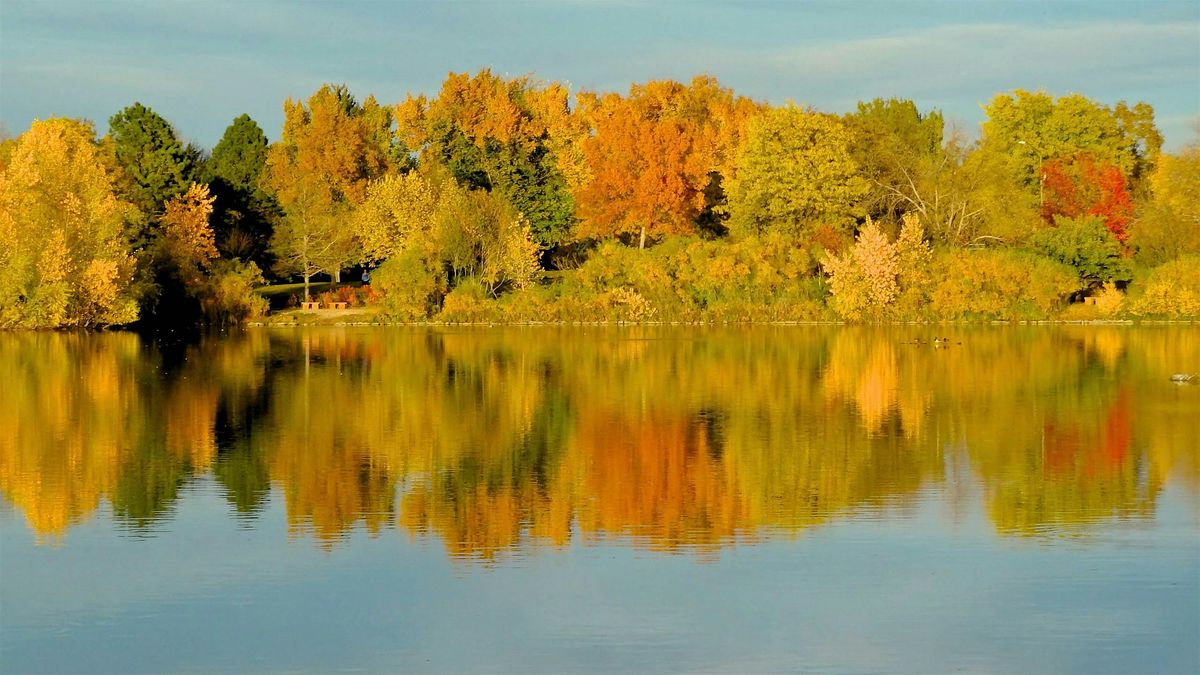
pixel 61 229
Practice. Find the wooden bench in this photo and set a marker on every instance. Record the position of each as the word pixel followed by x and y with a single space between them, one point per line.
pixel 337 305
pixel 310 305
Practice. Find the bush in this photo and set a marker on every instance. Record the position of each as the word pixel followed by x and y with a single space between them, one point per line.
pixel 767 278
pixel 228 298
pixel 469 302
pixel 1087 245
pixel 998 284
pixel 411 287
pixel 1171 290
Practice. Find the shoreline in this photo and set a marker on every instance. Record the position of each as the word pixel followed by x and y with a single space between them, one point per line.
pixel 497 324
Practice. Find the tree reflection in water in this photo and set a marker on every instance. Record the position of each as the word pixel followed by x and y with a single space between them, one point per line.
pixel 673 439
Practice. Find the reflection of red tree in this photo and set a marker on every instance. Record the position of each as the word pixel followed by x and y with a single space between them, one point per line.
pixel 1080 185
pixel 1115 438
pixel 1070 449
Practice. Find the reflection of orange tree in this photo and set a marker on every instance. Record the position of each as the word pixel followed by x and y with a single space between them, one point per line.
pixel 677 439
pixel 658 476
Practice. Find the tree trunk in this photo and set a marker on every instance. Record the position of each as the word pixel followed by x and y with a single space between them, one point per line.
pixel 642 241
pixel 307 298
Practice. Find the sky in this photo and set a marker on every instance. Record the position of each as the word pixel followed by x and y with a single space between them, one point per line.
pixel 201 64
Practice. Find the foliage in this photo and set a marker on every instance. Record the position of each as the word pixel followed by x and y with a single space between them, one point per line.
pixel 501 134
pixel 1031 128
pixel 867 281
pixel 1170 290
pixel 1079 186
pixel 156 164
pixel 229 298
pixel 399 214
pixel 330 150
pixel 412 286
pixel 511 259
pixel 244 209
pixel 474 192
pixel 649 161
pixel 1087 245
pixel 1168 225
pixel 64 259
pixel 894 148
pixel 468 303
pixel 795 173
pixel 998 284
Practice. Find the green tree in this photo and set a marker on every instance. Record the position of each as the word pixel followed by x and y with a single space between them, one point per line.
pixel 156 164
pixel 244 210
pixel 495 133
pixel 64 259
pixel 895 148
pixel 1087 245
pixel 795 173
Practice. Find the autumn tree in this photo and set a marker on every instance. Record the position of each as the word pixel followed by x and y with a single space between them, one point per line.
pixel 1088 245
pixel 508 135
pixel 1032 128
pixel 330 149
pixel 244 208
pixel 1168 225
pixel 398 215
pixel 867 280
pixel 896 149
pixel 64 258
pixel 794 174
pixel 648 164
pixel 179 258
pixel 1080 185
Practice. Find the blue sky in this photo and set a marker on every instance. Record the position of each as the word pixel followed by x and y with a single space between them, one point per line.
pixel 200 64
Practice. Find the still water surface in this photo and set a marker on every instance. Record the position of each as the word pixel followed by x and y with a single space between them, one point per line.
pixel 1025 499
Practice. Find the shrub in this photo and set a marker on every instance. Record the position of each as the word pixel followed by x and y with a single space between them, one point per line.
pixel 469 302
pixel 228 298
pixel 878 279
pixel 411 287
pixel 1171 290
pixel 998 284
pixel 1087 245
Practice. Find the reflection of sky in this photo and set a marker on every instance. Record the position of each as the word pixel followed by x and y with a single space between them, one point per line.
pixel 200 65
pixel 936 589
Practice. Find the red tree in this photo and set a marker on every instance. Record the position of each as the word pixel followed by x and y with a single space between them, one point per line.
pixel 1080 185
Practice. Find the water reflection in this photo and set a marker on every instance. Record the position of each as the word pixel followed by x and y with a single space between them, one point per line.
pixel 671 439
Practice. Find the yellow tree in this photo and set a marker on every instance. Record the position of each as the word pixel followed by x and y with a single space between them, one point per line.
pixel 331 148
pixel 64 259
pixel 1168 225
pixel 794 173
pixel 187 239
pixel 398 215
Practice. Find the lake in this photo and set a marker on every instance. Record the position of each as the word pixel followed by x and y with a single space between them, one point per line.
pixel 548 499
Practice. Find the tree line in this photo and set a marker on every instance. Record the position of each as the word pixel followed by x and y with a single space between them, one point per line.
pixel 504 198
